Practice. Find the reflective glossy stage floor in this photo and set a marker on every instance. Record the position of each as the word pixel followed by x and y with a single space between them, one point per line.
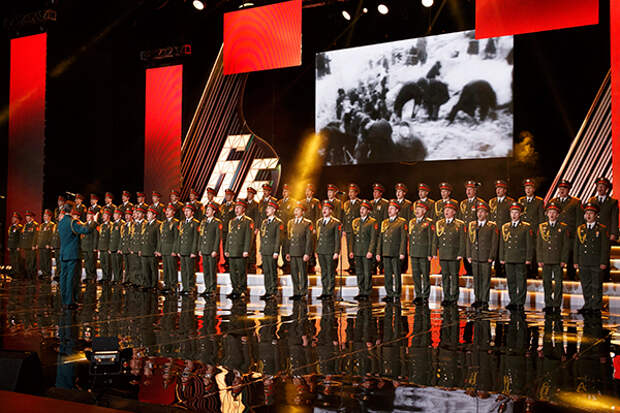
pixel 239 356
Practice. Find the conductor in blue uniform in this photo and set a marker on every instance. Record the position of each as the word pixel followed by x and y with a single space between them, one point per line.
pixel 69 231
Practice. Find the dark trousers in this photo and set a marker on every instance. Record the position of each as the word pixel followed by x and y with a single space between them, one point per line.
pixel 328 277
pixel 30 263
pixel 117 266
pixel 482 280
pixel 16 261
pixel 392 277
pixel 238 274
pixel 209 268
pixel 67 282
pixel 450 279
pixel 299 275
pixel 45 261
pixel 171 275
pixel 517 282
pixel 270 274
pixel 364 274
pixel 553 292
pixel 188 272
pixel 591 278
pixel 352 262
pixel 90 264
pixel 420 271
pixel 105 262
pixel 467 265
pixel 571 273
pixel 150 271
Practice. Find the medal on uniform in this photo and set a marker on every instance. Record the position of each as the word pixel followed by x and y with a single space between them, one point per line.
pixel 356 226
pixel 581 234
pixel 545 232
pixel 506 232
pixel 472 231
pixel 441 227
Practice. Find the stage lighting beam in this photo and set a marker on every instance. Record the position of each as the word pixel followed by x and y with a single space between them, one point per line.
pixel 427 3
pixel 383 9
pixel 346 15
pixel 198 4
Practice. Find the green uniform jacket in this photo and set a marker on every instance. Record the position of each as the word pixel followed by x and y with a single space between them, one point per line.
pixel 199 210
pixel 285 209
pixel 553 244
pixel 160 208
pixel 252 210
pixel 89 242
pixel 125 207
pixel 271 234
pixel 591 245
pixel 379 209
pixel 482 242
pixel 150 238
pixel 516 245
pixel 135 242
pixel 500 211
pixel 438 208
pixel 421 237
pixel 449 239
pixel 393 238
pixel 103 242
pixel 430 211
pixel 81 208
pixel 300 238
pixel 28 238
pixel 337 211
pixel 115 235
pixel 468 210
pixel 608 213
pixel 533 211
pixel 46 235
pixel 187 242
pixel 364 236
pixel 227 212
pixel 210 236
pixel 405 209
pixel 178 207
pixel 328 236
pixel 313 209
pixel 240 234
pixel 571 213
pixel 15 232
pixel 262 205
pixel 126 236
pixel 351 211
pixel 168 236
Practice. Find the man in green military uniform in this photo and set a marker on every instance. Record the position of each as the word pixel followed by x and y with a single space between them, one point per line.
pixel 449 245
pixel 28 244
pixel 445 190
pixel 312 211
pixel 238 248
pixel 271 234
pixel 103 244
pixel 516 252
pixel 209 246
pixel 608 213
pixel 116 253
pixel 59 208
pixel 88 246
pixel 95 207
pixel 552 250
pixel 423 191
pixel 253 213
pixel 500 214
pixel 392 250
pixel 135 244
pixel 45 244
pixel 148 259
pixel 125 204
pixel 178 205
pixel 421 229
pixel 285 205
pixel 481 250
pixel 211 193
pixel 332 196
pixel 328 249
pixel 298 247
pixel 140 201
pixel 157 205
pixel 403 203
pixel 378 203
pixel 198 207
pixel 15 232
pixel 591 251
pixel 227 212
pixel 363 247
pixel 125 246
pixel 187 249
pixel 351 210
pixel 571 214
pixel 533 214
pixel 80 207
pixel 168 239
pixel 264 201
pixel 467 210
pixel 107 199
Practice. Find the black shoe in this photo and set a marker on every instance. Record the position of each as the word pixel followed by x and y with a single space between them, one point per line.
pixel 418 300
pixel 548 310
pixel 583 310
pixel 293 297
pixel 558 310
pixel 387 299
pixel 358 297
pixel 322 296
pixel 511 307
pixel 446 303
pixel 483 307
pixel 297 297
pixel 326 297
pixel 230 295
pixel 265 297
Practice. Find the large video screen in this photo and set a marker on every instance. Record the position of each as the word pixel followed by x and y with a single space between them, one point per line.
pixel 431 98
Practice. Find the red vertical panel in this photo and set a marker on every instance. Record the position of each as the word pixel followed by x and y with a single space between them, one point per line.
pixel 506 17
pixel 615 92
pixel 26 124
pixel 162 128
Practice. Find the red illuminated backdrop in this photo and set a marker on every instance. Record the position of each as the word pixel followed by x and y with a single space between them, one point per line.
pixel 26 124
pixel 262 38
pixel 506 17
pixel 162 129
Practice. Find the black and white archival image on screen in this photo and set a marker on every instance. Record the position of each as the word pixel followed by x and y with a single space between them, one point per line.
pixel 431 98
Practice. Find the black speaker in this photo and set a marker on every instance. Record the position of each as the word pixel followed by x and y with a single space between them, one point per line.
pixel 21 372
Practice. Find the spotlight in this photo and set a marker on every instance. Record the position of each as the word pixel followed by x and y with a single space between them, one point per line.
pixel 427 3
pixel 246 3
pixel 346 15
pixel 198 4
pixel 383 9
pixel 364 10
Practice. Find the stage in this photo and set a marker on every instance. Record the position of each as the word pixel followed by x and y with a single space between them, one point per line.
pixel 335 355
